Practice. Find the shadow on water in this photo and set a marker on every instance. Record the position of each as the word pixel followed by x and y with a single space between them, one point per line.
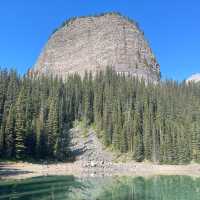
pixel 7 171
pixel 107 188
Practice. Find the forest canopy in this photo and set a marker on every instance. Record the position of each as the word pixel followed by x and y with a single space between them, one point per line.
pixel 159 123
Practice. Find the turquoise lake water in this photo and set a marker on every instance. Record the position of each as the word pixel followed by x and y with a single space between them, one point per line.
pixel 106 188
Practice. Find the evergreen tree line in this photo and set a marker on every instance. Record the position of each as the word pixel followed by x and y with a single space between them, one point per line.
pixel 155 122
pixel 34 117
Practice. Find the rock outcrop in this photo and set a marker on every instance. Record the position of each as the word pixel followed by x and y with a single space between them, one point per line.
pixel 194 78
pixel 96 42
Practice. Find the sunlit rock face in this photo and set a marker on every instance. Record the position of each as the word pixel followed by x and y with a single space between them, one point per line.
pixel 96 42
pixel 194 78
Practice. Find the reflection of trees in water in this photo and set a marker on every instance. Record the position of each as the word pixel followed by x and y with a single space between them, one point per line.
pixel 50 187
pixel 118 188
pixel 157 188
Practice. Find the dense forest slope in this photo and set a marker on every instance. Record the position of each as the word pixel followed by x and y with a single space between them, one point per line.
pixel 160 123
pixel 94 42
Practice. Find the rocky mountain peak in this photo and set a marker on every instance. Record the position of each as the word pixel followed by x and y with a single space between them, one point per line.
pixel 93 43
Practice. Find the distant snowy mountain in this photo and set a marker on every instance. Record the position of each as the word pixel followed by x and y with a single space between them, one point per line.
pixel 194 78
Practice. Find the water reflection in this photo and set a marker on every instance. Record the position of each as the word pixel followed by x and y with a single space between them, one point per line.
pixel 116 188
pixel 156 188
pixel 51 187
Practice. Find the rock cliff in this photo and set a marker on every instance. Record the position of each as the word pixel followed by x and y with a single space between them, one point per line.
pixel 95 42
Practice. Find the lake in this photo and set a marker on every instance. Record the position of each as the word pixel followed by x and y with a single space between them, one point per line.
pixel 104 188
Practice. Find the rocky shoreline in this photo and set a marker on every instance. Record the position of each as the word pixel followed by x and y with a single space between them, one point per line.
pixel 22 170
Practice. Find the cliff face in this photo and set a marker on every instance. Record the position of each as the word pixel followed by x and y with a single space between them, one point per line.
pixel 93 43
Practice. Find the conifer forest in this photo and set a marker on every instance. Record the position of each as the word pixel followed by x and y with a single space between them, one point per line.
pixel 154 122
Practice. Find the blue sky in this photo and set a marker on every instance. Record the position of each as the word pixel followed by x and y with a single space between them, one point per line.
pixel 172 28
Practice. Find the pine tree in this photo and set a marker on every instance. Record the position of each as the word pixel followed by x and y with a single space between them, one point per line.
pixel 41 135
pixel 148 140
pixel 52 127
pixel 139 146
pixel 10 133
pixel 20 127
pixel 195 141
